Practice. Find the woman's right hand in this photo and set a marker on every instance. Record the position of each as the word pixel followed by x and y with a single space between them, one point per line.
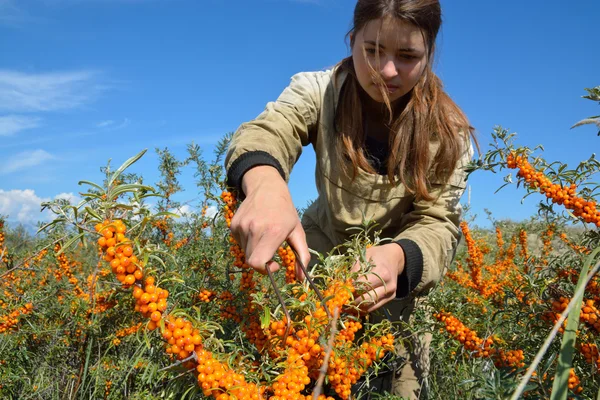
pixel 266 218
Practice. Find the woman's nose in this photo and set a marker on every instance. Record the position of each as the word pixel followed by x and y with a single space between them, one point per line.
pixel 389 70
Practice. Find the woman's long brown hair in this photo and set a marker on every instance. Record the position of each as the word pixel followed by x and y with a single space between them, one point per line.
pixel 430 113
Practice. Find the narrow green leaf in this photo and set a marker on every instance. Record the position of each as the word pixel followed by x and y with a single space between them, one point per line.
pixel 147 339
pixel 81 232
pixel 565 360
pixel 56 221
pixel 132 187
pixel 173 279
pixel 93 213
pixel 587 121
pixel 87 359
pixel 69 243
pixel 500 188
pixel 265 319
pixel 124 206
pixel 170 214
pixel 191 392
pixel 158 259
pixel 125 165
pixel 151 195
pixel 100 188
pixel 91 195
pixel 82 203
pixel 145 260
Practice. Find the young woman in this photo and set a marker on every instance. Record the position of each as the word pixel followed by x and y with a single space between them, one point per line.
pixel 390 146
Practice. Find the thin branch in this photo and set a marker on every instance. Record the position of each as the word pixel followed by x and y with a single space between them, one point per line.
pixel 324 365
pixel 179 362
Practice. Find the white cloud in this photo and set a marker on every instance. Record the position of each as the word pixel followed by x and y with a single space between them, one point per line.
pixel 11 124
pixel 113 125
pixel 106 123
pixel 51 91
pixel 211 212
pixel 70 197
pixel 184 210
pixel 25 159
pixel 21 205
pixel 24 206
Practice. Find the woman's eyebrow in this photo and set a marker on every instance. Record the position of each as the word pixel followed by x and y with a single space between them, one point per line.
pixel 404 49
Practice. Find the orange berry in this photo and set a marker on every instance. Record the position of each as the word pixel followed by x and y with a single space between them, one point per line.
pixel 137 292
pixel 155 316
pixel 128 251
pixel 129 280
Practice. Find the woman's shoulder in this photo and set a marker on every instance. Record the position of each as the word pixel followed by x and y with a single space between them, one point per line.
pixel 319 84
pixel 322 74
pixel 331 75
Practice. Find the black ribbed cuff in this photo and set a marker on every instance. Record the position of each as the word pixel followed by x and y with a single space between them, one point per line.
pixel 413 268
pixel 246 161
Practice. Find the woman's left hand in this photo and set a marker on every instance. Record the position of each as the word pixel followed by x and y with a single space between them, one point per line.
pixel 383 278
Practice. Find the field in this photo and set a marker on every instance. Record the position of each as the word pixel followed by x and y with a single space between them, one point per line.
pixel 115 299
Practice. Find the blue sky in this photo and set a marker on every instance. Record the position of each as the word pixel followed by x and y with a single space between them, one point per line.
pixel 84 81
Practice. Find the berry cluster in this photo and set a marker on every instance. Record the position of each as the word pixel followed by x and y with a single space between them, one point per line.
pixel 586 210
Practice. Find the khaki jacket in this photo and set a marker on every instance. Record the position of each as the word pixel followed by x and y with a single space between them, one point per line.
pixel 304 114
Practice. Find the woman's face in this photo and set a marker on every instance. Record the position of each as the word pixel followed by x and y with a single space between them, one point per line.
pixel 399 61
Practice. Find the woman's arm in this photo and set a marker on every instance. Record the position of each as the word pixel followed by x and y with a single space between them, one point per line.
pixel 424 247
pixel 259 161
pixel 431 233
pixel 277 135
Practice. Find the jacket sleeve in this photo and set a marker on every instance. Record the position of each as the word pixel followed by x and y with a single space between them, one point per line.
pixel 431 233
pixel 277 135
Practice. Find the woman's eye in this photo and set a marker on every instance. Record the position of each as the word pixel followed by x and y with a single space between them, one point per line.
pixel 407 56
pixel 370 51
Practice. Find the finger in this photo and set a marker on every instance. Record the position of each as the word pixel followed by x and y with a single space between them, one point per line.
pixel 369 297
pixel 237 232
pixel 370 281
pixel 261 247
pixel 273 267
pixel 373 299
pixel 297 240
pixel 365 286
pixel 380 304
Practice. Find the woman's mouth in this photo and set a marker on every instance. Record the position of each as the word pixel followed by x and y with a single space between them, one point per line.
pixel 391 88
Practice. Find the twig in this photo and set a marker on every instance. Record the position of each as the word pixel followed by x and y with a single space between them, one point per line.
pixel 310 281
pixel 553 333
pixel 281 302
pixel 324 365
pixel 179 362
pixel 182 374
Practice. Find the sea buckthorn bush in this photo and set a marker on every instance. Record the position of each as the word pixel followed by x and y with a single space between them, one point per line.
pixel 502 297
pixel 121 299
pixel 123 295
